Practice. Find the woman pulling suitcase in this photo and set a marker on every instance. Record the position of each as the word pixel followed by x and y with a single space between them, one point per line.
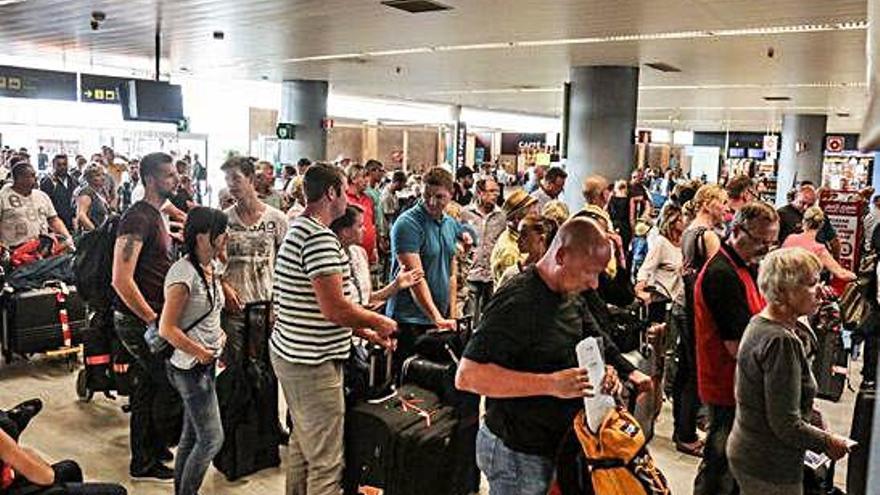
pixel 190 322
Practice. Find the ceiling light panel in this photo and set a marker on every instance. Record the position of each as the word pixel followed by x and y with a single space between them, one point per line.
pixel 853 25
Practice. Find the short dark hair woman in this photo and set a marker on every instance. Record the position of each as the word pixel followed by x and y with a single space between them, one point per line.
pixel 190 322
pixel 775 386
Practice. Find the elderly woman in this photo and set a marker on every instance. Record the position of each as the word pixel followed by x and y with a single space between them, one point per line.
pixel 775 387
pixel 814 219
pixel 92 208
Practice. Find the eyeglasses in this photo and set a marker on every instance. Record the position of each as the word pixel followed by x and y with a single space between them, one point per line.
pixel 757 240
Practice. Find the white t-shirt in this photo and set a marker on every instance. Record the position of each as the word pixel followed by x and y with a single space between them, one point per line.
pixel 23 218
pixel 251 253
pixel 662 269
pixel 362 286
pixel 207 332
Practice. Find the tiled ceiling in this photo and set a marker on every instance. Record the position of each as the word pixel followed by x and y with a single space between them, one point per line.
pixel 504 54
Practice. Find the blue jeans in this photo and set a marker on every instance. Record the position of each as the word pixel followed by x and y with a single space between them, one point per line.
pixel 202 435
pixel 510 472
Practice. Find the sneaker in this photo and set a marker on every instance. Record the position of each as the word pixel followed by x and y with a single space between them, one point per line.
pixel 155 473
pixel 165 455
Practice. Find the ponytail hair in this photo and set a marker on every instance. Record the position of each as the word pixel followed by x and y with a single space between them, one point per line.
pixel 202 220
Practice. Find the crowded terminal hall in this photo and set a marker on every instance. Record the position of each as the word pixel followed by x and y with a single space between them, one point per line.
pixel 465 248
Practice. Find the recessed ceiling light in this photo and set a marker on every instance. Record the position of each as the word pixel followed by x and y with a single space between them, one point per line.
pixel 663 67
pixel 621 38
pixel 416 6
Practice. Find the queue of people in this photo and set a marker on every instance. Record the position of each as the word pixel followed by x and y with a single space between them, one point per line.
pixel 358 253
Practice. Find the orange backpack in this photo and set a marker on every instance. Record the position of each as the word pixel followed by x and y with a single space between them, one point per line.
pixel 617 457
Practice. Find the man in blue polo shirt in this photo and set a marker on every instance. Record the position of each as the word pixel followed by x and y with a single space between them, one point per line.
pixel 423 238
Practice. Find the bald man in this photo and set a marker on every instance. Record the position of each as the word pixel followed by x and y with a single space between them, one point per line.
pixel 522 358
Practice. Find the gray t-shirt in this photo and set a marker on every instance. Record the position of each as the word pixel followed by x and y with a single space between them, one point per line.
pixel 251 253
pixel 775 389
pixel 208 332
pixel 23 218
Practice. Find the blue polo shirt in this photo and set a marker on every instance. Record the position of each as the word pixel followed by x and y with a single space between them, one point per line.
pixel 415 231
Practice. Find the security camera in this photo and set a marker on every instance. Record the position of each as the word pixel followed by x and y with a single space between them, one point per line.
pixel 771 52
pixel 99 16
pixel 95 25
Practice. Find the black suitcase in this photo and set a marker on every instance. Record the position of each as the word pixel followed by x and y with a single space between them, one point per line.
pixel 410 444
pixel 247 392
pixel 32 320
pixel 443 451
pixel 862 422
pixel 830 364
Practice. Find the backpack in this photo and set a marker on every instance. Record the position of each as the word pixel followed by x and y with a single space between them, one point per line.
pixel 93 264
pixel 617 458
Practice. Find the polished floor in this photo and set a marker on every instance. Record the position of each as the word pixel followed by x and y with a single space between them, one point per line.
pixel 96 434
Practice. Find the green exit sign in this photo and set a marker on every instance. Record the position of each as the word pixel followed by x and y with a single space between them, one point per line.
pixel 285 130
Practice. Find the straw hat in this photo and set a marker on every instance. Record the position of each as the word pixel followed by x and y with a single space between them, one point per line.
pixel 518 200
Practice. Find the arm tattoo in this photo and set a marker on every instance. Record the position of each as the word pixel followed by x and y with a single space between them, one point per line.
pixel 128 247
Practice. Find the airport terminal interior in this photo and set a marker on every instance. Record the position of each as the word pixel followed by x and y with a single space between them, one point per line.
pixel 439 247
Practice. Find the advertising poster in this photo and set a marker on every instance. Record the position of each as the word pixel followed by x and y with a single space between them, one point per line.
pixel 845 217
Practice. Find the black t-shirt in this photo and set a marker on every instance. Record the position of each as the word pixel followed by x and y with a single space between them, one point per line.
pixel 527 327
pixel 618 210
pixel 145 222
pixel 725 295
pixel 638 192
pixel 462 196
pixel 180 199
pixel 790 219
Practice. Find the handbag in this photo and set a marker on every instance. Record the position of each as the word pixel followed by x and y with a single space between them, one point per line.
pixel 855 304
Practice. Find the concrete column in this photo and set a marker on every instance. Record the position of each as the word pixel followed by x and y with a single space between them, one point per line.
pixel 304 104
pixel 601 126
pixel 802 150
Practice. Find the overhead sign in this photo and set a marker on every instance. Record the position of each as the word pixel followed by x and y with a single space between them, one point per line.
pixel 512 142
pixel 835 144
pixel 18 82
pixel 100 89
pixel 285 130
pixel 771 143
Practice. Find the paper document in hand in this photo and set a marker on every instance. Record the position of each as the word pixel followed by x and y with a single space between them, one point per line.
pixel 590 359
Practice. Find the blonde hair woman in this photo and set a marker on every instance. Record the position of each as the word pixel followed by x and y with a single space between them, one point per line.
pixel 775 386
pixel 813 220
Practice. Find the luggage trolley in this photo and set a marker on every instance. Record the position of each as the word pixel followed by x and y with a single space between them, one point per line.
pixel 48 320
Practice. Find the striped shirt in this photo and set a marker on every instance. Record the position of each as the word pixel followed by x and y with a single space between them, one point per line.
pixel 302 335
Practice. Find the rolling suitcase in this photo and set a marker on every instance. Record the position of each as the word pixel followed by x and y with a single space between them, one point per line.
pixel 247 392
pixel 862 422
pixel 830 364
pixel 399 443
pixel 42 320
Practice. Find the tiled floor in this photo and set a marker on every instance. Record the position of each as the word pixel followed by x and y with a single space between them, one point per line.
pixel 96 434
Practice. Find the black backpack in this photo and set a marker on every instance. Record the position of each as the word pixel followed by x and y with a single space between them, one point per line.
pixel 93 264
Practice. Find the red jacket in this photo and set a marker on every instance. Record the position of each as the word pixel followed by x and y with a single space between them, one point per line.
pixel 366 204
pixel 716 368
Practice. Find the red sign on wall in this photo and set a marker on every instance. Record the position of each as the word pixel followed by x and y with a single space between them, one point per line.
pixel 846 218
pixel 835 144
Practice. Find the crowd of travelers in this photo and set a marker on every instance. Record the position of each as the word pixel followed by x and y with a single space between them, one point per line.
pixel 361 252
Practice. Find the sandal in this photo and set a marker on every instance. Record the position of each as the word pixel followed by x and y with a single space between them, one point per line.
pixel 693 449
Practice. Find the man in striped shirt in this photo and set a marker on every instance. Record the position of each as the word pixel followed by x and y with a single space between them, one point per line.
pixel 312 335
